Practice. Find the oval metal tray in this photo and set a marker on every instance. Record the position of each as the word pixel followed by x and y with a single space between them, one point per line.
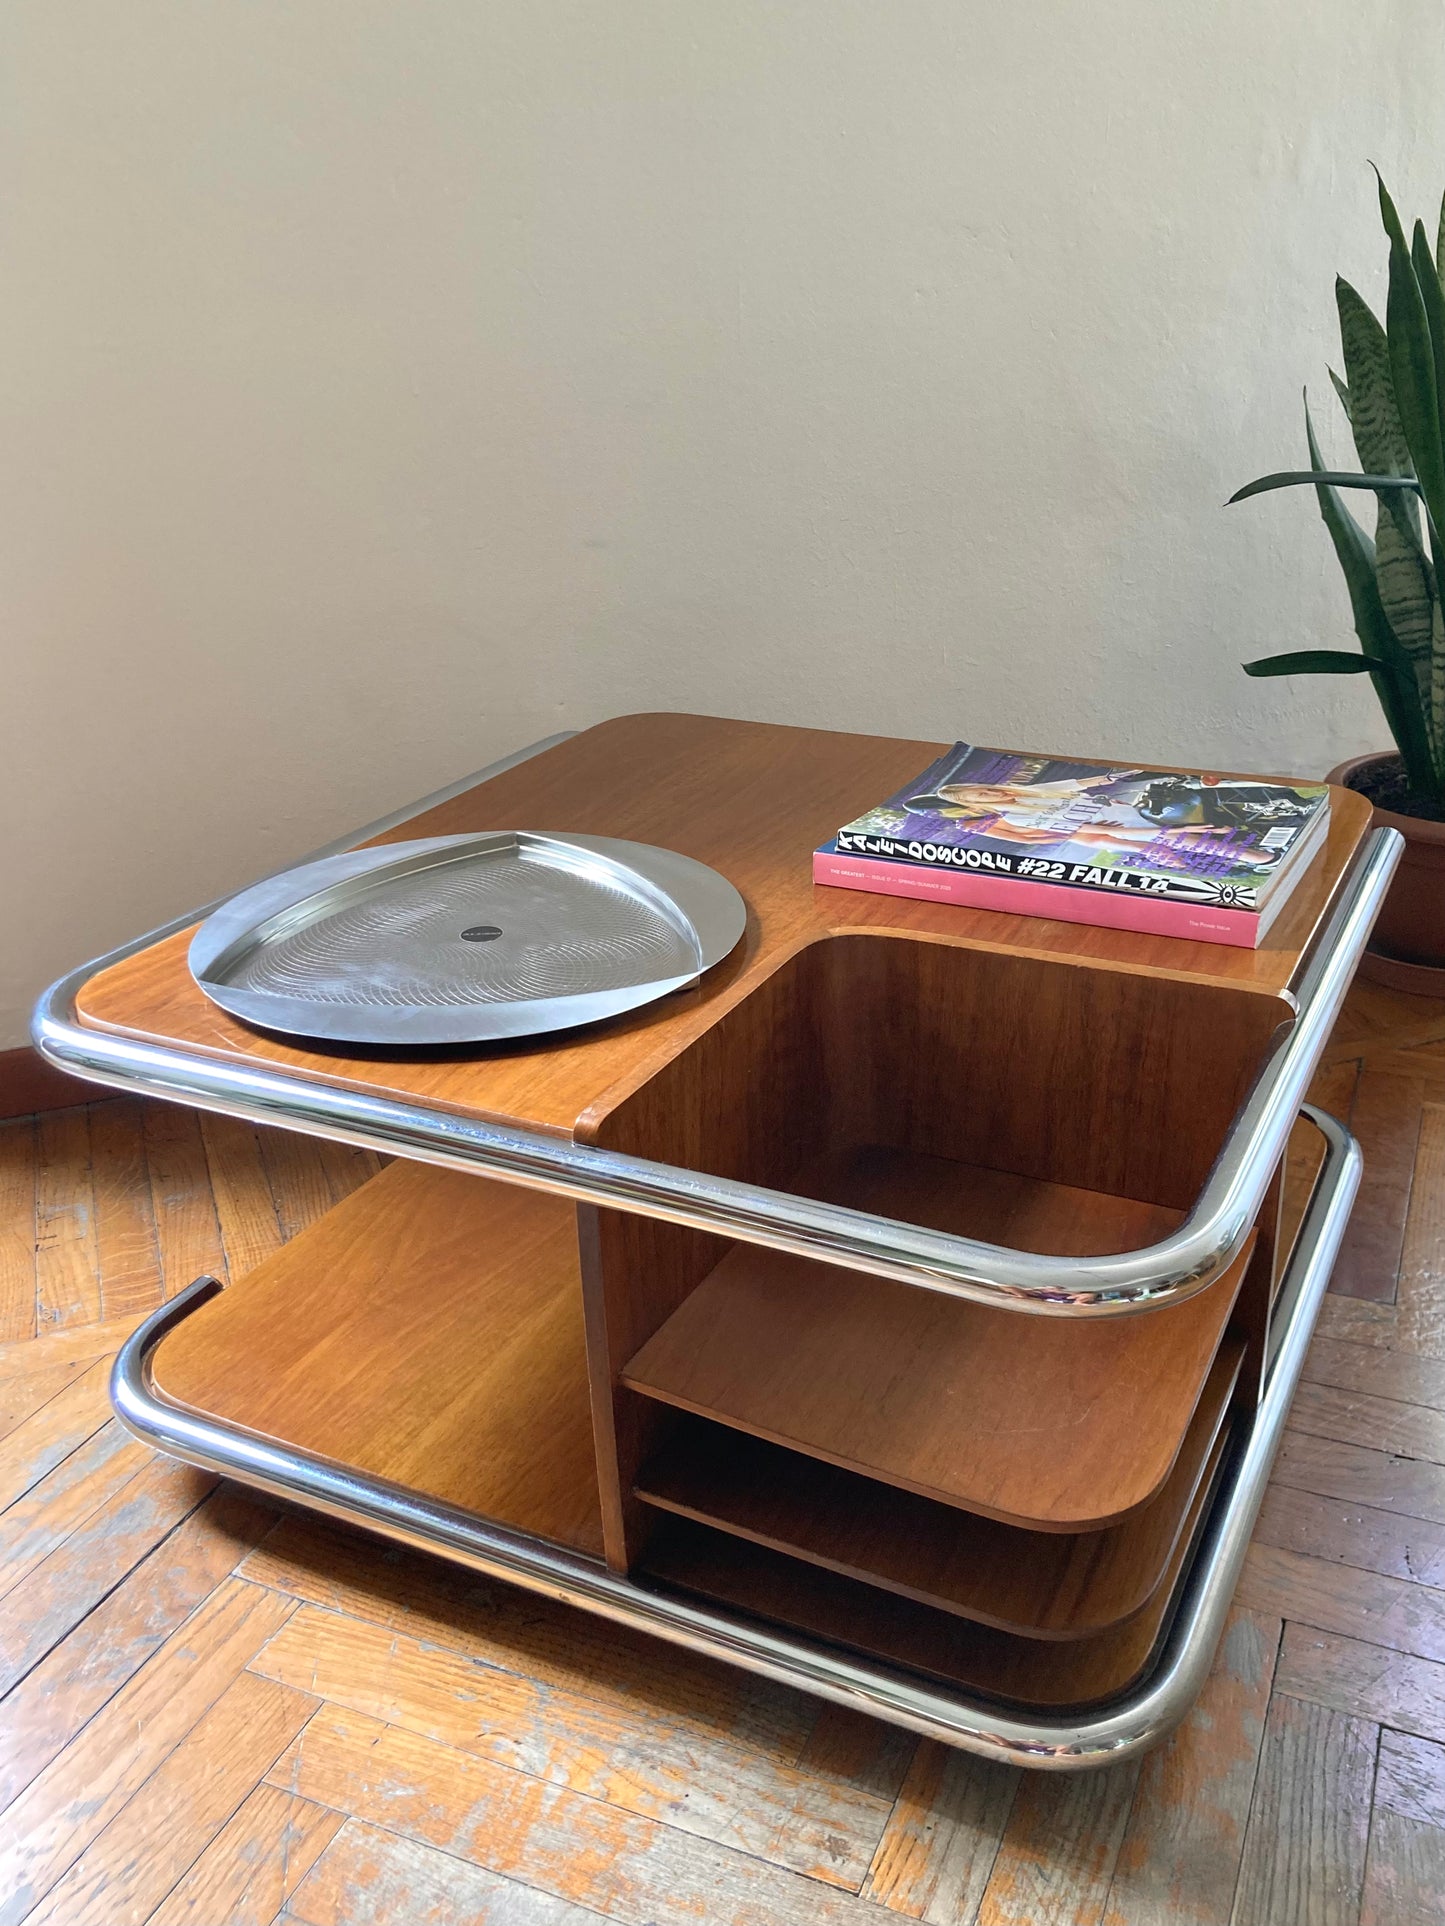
pixel 466 939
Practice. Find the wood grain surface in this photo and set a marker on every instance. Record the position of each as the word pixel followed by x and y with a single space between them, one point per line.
pixel 1038 1584
pixel 428 1330
pixel 1179 1858
pixel 1031 1671
pixel 824 1030
pixel 905 1078
pixel 1049 1423
pixel 1305 1858
pixel 753 800
pixel 378 1835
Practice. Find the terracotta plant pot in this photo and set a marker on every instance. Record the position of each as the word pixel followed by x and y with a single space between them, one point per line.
pixel 1407 950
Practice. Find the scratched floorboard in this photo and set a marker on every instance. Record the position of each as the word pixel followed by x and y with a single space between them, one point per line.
pixel 216 1716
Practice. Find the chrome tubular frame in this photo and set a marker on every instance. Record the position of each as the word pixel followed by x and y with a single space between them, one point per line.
pixel 1139 1280
pixel 1186 1261
pixel 1099 1736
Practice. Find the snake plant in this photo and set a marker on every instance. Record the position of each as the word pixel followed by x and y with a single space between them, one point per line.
pixel 1393 394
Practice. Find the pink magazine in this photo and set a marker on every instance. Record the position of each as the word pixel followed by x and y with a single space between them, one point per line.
pixel 1017 896
pixel 1212 842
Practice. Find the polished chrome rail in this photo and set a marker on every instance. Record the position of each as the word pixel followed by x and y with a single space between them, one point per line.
pixel 1103 1735
pixel 1186 1261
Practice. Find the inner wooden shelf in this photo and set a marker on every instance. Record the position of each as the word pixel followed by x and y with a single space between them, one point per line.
pixel 1054 1424
pixel 1028 1671
pixel 1050 1585
pixel 1002 1501
pixel 427 1331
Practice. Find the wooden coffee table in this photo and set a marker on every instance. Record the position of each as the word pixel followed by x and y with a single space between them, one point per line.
pixel 908 1312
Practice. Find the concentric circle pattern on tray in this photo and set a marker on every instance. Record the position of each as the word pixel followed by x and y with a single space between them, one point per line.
pixel 370 952
pixel 466 938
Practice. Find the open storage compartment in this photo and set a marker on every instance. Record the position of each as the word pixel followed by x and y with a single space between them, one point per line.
pixel 426 1332
pixel 876 1432
pixel 1050 1585
pixel 417 1364
pixel 1027 1671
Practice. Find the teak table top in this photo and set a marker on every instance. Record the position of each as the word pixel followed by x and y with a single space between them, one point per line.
pixel 754 800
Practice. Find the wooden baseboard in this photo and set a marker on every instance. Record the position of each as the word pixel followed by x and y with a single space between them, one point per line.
pixel 28 1083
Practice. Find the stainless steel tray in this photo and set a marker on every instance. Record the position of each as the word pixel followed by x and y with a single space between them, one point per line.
pixel 1020 1281
pixel 466 939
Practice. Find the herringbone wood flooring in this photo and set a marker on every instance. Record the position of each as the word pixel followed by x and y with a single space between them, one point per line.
pixel 215 1714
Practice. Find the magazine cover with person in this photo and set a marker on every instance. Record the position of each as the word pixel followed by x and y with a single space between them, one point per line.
pixel 1183 836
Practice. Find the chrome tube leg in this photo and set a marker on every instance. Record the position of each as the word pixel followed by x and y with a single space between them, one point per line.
pixel 1101 1736
pixel 1120 1284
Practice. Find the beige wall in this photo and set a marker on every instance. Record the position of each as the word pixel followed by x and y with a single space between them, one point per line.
pixel 384 386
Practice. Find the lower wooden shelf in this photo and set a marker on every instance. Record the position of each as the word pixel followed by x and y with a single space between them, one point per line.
pixel 428 1331
pixel 1053 1424
pixel 1040 1673
pixel 1048 1585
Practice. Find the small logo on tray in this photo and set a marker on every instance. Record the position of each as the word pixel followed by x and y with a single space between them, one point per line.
pixel 481 933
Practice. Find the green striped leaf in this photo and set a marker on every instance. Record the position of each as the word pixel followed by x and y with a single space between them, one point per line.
pixel 1412 366
pixel 1434 302
pixel 1397 690
pixel 1381 446
pixel 1316 662
pixel 1335 478
pixel 1400 573
pixel 1374 418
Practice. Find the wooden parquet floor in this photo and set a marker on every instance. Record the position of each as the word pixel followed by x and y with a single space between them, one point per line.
pixel 212 1713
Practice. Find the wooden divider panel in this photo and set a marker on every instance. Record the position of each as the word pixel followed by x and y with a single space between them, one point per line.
pixel 1064 1061
pixel 1057 1106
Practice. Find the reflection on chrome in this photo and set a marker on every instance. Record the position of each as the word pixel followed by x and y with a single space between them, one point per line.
pixel 1103 1735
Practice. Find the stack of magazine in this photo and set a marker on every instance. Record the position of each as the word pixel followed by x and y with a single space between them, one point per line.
pixel 1170 853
